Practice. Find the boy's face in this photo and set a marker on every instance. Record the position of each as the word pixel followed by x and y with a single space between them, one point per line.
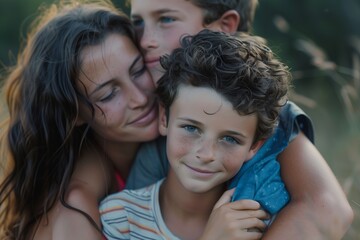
pixel 160 24
pixel 207 140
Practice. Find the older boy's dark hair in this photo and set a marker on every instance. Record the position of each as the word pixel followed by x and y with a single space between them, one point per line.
pixel 214 9
pixel 241 69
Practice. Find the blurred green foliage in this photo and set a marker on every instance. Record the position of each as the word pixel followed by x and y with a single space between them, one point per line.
pixel 319 40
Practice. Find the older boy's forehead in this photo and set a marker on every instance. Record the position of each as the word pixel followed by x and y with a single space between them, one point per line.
pixel 160 6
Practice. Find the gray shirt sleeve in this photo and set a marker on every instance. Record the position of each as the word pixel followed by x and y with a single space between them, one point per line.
pixel 150 164
pixel 294 119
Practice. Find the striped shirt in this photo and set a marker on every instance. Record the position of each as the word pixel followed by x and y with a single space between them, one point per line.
pixel 134 214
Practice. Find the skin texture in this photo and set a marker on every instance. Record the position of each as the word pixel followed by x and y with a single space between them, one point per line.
pixel 159 24
pixel 213 149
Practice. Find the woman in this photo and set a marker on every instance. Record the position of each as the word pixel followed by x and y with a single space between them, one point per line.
pixel 80 102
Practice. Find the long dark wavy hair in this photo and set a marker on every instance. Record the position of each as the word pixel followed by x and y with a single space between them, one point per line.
pixel 41 142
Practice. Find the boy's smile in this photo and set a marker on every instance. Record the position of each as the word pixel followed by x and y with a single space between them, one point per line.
pixel 207 140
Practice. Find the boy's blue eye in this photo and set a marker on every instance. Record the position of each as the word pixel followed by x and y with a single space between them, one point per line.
pixel 190 129
pixel 167 19
pixel 230 140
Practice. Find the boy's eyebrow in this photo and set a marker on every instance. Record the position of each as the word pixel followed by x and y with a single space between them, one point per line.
pixel 165 10
pixel 157 12
pixel 190 120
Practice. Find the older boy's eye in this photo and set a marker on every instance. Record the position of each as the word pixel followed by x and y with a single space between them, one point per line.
pixel 138 22
pixel 167 19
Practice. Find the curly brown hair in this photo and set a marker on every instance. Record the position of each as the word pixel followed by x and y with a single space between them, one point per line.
pixel 240 68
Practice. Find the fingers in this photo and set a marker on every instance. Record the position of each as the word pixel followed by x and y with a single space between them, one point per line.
pixel 237 205
pixel 225 198
pixel 254 225
pixel 244 205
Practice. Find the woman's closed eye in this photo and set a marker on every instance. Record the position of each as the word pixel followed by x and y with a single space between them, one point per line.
pixel 140 71
pixel 108 97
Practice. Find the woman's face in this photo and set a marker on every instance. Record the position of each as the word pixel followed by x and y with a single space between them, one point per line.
pixel 115 80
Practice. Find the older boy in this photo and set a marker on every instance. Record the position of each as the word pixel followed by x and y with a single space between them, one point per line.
pixel 318 208
pixel 235 89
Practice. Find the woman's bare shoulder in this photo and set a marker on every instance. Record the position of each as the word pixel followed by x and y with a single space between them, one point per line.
pixel 90 183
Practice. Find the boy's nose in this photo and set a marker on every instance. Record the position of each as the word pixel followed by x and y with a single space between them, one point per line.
pixel 148 38
pixel 206 151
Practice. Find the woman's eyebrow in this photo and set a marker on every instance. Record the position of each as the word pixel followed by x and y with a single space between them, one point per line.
pixel 100 86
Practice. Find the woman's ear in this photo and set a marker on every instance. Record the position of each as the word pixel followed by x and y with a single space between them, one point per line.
pixel 228 22
pixel 254 148
pixel 163 121
pixel 79 121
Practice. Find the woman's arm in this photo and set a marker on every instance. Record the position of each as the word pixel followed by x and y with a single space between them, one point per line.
pixel 318 208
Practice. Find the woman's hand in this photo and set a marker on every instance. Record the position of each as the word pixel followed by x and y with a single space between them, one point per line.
pixel 235 220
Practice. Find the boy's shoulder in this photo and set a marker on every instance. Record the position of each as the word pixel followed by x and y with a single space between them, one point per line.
pixel 122 213
pixel 129 197
pixel 293 120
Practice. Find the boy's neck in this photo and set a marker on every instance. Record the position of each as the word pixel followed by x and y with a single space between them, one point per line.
pixel 186 213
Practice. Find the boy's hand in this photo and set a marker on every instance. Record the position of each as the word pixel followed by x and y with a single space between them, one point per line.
pixel 235 220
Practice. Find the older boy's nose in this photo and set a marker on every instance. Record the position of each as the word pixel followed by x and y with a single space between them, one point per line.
pixel 148 38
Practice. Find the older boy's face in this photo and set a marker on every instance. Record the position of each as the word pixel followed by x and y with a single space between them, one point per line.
pixel 207 140
pixel 160 24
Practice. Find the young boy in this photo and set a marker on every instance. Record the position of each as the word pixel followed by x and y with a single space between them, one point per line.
pixel 220 98
pixel 318 205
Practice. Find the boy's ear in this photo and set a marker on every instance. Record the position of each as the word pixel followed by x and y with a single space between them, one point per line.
pixel 254 148
pixel 163 121
pixel 229 21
